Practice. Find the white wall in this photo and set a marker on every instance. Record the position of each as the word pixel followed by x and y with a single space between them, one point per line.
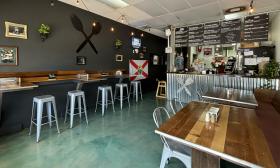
pixel 275 35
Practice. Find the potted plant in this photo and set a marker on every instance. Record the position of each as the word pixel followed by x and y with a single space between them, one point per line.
pixel 271 71
pixel 118 44
pixel 44 31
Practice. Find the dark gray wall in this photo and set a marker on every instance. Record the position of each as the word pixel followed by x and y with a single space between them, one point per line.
pixel 58 51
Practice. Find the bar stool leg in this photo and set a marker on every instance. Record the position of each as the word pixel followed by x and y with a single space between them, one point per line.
pixel 80 106
pixel 136 91
pixel 121 96
pixel 128 96
pixel 55 115
pixel 129 91
pixel 97 98
pixel 103 101
pixel 106 98
pixel 112 99
pixel 67 109
pixel 85 108
pixel 115 93
pixel 39 120
pixel 72 108
pixel 32 117
pixel 49 110
pixel 140 87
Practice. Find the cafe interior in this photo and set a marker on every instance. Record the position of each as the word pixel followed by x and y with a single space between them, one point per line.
pixel 140 83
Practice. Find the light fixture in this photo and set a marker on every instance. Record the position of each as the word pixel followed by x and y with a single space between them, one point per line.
pixel 94 24
pixel 251 7
pixel 52 3
pixel 115 3
pixel 77 2
pixel 122 19
pixel 142 34
pixel 112 29
pixel 132 34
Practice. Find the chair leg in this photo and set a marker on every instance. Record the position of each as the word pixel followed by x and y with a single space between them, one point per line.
pixel 39 120
pixel 103 101
pixel 32 117
pixel 140 87
pixel 80 106
pixel 55 116
pixel 49 110
pixel 121 97
pixel 72 108
pixel 164 157
pixel 97 100
pixel 66 109
pixel 85 108
pixel 112 100
pixel 128 96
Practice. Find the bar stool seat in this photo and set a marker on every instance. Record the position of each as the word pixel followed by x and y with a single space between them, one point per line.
pixel 136 86
pixel 121 87
pixel 72 95
pixel 104 101
pixel 39 102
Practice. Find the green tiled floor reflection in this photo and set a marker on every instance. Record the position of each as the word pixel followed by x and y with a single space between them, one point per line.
pixel 124 139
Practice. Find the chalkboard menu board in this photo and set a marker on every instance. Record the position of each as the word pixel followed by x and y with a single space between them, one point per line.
pixel 230 31
pixel 256 28
pixel 181 37
pixel 212 33
pixel 196 35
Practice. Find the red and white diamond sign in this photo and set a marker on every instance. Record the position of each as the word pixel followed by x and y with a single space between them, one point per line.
pixel 138 69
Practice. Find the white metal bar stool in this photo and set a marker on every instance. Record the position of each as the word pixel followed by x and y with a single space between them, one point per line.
pixel 39 102
pixel 71 98
pixel 104 101
pixel 121 98
pixel 136 85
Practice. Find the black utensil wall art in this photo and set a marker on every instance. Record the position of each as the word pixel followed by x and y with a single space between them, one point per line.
pixel 78 25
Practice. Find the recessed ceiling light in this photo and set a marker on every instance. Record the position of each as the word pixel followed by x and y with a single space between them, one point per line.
pixel 114 3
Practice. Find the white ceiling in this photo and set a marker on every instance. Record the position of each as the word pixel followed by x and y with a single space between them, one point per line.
pixel 158 14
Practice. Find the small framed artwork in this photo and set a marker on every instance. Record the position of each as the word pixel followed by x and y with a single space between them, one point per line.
pixel 16 30
pixel 9 55
pixel 119 58
pixel 81 60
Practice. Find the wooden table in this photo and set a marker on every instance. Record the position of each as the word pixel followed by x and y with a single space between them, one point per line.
pixel 236 136
pixel 234 97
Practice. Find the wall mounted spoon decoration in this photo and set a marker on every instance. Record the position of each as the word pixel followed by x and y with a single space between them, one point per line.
pixel 77 23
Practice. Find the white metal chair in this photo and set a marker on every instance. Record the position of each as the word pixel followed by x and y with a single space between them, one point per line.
pixel 174 105
pixel 170 147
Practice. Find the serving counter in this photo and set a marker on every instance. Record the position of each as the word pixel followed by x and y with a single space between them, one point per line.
pixel 203 82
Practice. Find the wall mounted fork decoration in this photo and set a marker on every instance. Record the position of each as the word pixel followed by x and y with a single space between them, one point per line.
pixel 96 28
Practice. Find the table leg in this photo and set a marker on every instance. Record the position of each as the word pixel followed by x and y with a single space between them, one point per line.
pixel 202 160
pixel 1 99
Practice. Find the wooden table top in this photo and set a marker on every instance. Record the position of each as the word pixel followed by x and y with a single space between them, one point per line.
pixel 9 87
pixel 234 97
pixel 236 136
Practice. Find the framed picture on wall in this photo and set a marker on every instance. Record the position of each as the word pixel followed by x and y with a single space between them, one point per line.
pixel 16 30
pixel 81 60
pixel 9 55
pixel 119 58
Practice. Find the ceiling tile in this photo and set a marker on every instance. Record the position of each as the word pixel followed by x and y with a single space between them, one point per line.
pixel 169 19
pixel 174 5
pixel 151 7
pixel 209 10
pixel 134 13
pixel 200 2
pixel 131 2
pixel 156 23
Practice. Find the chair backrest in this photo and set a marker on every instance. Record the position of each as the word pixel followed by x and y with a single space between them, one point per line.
pixel 160 115
pixel 174 103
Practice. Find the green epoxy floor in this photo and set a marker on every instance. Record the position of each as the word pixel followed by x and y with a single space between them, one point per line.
pixel 124 139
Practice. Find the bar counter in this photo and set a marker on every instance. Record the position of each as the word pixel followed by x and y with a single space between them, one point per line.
pixel 215 80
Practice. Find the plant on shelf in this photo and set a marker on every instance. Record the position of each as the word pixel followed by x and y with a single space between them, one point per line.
pixel 44 31
pixel 271 71
pixel 118 44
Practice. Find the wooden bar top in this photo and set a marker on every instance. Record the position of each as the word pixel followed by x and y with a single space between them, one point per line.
pixel 16 87
pixel 236 137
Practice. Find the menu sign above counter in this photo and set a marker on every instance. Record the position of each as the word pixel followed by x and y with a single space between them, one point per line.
pixel 181 37
pixel 212 33
pixel 230 31
pixel 256 28
pixel 196 35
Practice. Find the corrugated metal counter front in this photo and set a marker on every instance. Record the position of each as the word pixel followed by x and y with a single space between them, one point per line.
pixel 209 81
